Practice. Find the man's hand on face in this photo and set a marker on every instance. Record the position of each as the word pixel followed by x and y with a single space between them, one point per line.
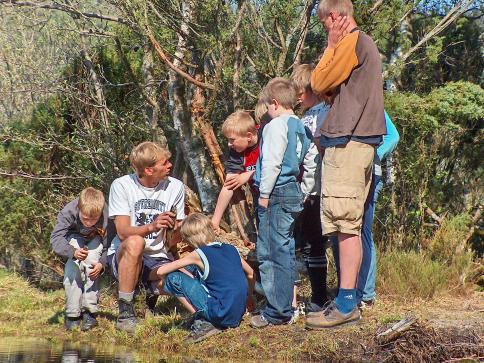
pixel 340 27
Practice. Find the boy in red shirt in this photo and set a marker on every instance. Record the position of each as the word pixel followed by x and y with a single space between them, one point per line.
pixel 241 131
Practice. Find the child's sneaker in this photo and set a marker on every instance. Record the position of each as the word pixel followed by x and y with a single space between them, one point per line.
pixel 296 313
pixel 200 330
pixel 258 321
pixel 71 323
pixel 366 304
pixel 88 321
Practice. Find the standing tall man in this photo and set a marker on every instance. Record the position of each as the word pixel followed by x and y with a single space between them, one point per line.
pixel 141 205
pixel 350 73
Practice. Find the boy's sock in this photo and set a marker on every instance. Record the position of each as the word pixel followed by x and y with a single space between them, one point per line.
pixel 126 296
pixel 346 300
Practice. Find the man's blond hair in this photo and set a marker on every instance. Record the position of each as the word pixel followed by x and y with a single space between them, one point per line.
pixel 146 155
pixel 280 89
pixel 342 7
pixel 239 123
pixel 197 230
pixel 91 202
pixel 301 76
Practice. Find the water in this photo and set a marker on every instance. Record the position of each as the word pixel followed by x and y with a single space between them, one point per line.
pixel 17 350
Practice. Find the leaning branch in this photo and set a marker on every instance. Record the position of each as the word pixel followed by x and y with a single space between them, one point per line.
pixel 165 59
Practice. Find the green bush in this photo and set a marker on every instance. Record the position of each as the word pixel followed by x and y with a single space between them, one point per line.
pixel 441 264
pixel 410 275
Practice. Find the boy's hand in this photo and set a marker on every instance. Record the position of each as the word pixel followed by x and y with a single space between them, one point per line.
pixel 216 227
pixel 264 202
pixel 163 220
pixel 97 268
pixel 236 181
pixel 339 29
pixel 80 254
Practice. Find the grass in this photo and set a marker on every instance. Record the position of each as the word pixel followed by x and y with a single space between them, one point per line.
pixel 408 283
pixel 442 265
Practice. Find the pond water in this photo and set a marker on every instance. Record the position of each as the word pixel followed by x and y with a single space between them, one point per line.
pixel 17 350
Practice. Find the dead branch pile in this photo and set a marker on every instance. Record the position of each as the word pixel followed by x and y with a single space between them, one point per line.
pixel 422 343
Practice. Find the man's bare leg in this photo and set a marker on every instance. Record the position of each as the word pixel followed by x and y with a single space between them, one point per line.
pixel 130 263
pixel 350 254
pixel 129 267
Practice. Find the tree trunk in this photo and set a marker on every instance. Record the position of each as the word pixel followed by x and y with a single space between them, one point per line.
pixel 152 108
pixel 192 147
pixel 98 89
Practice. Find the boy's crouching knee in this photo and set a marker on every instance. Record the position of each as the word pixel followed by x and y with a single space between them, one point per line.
pixel 173 282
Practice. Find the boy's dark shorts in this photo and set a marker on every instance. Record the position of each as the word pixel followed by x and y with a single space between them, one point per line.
pixel 149 264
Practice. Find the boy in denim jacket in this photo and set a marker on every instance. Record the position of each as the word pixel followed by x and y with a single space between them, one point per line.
pixel 284 144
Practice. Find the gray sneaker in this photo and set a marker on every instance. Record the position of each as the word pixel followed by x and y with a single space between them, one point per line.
pixel 200 330
pixel 127 318
pixel 89 321
pixel 331 317
pixel 258 321
pixel 71 323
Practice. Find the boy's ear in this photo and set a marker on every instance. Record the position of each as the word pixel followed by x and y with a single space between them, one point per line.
pixel 148 171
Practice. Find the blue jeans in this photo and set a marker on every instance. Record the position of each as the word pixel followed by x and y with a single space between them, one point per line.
pixel 276 251
pixel 181 285
pixel 365 287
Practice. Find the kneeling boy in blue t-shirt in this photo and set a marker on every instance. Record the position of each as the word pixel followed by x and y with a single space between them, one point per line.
pixel 211 282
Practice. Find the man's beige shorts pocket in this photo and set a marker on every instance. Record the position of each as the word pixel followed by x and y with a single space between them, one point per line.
pixel 345 183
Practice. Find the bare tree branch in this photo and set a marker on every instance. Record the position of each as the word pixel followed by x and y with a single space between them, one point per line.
pixel 65 8
pixel 165 59
pixel 41 177
pixel 460 8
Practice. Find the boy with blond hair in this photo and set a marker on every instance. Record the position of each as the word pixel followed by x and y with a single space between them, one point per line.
pixel 260 114
pixel 215 288
pixel 309 236
pixel 241 132
pixel 81 235
pixel 284 145
pixel 141 205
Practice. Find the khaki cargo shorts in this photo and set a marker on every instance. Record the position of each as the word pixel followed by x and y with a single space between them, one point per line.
pixel 345 184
